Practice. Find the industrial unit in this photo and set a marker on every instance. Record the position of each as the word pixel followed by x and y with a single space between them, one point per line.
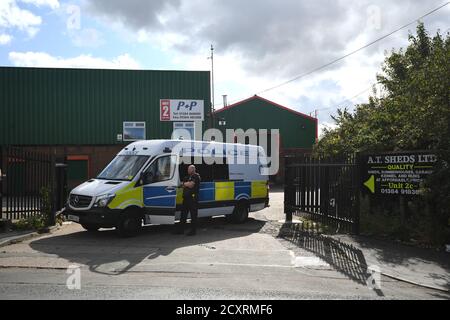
pixel 86 116
pixel 297 131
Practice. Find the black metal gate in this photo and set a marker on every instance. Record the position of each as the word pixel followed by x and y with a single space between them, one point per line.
pixel 325 190
pixel 25 177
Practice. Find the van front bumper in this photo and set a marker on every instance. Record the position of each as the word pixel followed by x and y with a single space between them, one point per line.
pixel 102 217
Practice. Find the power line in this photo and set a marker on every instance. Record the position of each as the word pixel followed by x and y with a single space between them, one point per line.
pixel 347 100
pixel 352 52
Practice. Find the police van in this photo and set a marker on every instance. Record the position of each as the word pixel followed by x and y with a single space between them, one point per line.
pixel 142 185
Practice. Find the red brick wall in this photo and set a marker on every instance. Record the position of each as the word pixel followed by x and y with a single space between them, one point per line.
pixel 101 155
pixel 98 155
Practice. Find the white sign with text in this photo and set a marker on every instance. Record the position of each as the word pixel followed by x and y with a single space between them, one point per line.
pixel 181 110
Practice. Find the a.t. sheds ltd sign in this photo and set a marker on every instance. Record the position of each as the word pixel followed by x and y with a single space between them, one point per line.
pixel 396 173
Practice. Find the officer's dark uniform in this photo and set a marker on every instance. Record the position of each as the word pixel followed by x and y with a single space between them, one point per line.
pixel 190 202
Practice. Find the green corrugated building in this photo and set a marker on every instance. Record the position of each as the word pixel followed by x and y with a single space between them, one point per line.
pixel 297 131
pixel 84 114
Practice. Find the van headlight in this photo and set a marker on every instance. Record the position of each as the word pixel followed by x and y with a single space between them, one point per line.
pixel 104 200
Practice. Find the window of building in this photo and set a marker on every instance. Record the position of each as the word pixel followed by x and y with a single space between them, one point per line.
pixel 133 131
pixel 183 131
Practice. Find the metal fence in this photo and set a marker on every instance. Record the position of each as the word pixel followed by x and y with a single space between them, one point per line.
pixel 325 190
pixel 25 177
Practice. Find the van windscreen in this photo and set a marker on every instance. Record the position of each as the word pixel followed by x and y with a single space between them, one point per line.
pixel 123 168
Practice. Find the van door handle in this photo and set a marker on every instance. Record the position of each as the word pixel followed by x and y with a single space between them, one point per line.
pixel 170 189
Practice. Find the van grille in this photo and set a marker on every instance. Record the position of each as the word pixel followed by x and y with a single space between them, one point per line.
pixel 78 201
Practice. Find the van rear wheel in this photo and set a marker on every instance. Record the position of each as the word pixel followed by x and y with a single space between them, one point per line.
pixel 240 213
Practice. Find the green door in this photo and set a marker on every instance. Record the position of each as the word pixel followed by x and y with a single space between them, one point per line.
pixel 77 172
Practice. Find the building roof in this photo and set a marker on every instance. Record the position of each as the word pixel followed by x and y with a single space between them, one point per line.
pixel 256 97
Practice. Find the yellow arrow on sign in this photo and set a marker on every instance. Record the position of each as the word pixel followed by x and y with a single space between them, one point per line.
pixel 370 184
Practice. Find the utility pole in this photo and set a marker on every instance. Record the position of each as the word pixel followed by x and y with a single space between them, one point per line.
pixel 212 86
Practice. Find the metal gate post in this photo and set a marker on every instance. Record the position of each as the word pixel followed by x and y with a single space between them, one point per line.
pixel 288 187
pixel 61 185
pixel 52 218
pixel 1 183
pixel 357 191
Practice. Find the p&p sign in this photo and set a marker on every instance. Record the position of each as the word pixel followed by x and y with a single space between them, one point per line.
pixel 181 110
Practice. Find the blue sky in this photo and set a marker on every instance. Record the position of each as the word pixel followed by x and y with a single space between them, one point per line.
pixel 60 36
pixel 258 44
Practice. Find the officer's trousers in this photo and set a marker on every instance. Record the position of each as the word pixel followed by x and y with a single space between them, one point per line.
pixel 190 205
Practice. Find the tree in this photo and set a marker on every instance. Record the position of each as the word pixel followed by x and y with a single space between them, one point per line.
pixel 413 113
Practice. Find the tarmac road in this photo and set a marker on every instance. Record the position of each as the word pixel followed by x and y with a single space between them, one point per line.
pixel 223 261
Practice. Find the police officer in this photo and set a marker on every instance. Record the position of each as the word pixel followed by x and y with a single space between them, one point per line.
pixel 191 186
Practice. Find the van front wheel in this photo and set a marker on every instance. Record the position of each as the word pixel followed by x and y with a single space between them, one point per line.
pixel 129 225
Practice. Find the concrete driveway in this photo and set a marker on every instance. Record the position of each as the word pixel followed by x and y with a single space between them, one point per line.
pixel 223 261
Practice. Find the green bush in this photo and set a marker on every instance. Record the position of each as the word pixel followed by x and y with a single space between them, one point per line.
pixel 38 221
pixel 419 225
pixel 46 209
pixel 35 222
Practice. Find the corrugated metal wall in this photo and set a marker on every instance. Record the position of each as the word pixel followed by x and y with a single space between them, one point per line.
pixel 296 131
pixel 41 106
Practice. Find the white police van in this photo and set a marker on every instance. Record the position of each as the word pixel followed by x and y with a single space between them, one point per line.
pixel 141 185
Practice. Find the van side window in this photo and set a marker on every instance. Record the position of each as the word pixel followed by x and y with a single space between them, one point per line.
pixel 207 172
pixel 220 171
pixel 162 169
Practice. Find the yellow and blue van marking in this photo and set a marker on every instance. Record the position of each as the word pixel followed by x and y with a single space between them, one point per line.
pixel 259 189
pixel 223 191
pixel 243 190
pixel 207 192
pixel 126 197
pixel 158 196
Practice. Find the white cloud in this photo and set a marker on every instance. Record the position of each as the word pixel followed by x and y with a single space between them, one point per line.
pixel 5 39
pixel 322 90
pixel 12 16
pixel 43 59
pixel 260 46
pixel 275 39
pixel 53 4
